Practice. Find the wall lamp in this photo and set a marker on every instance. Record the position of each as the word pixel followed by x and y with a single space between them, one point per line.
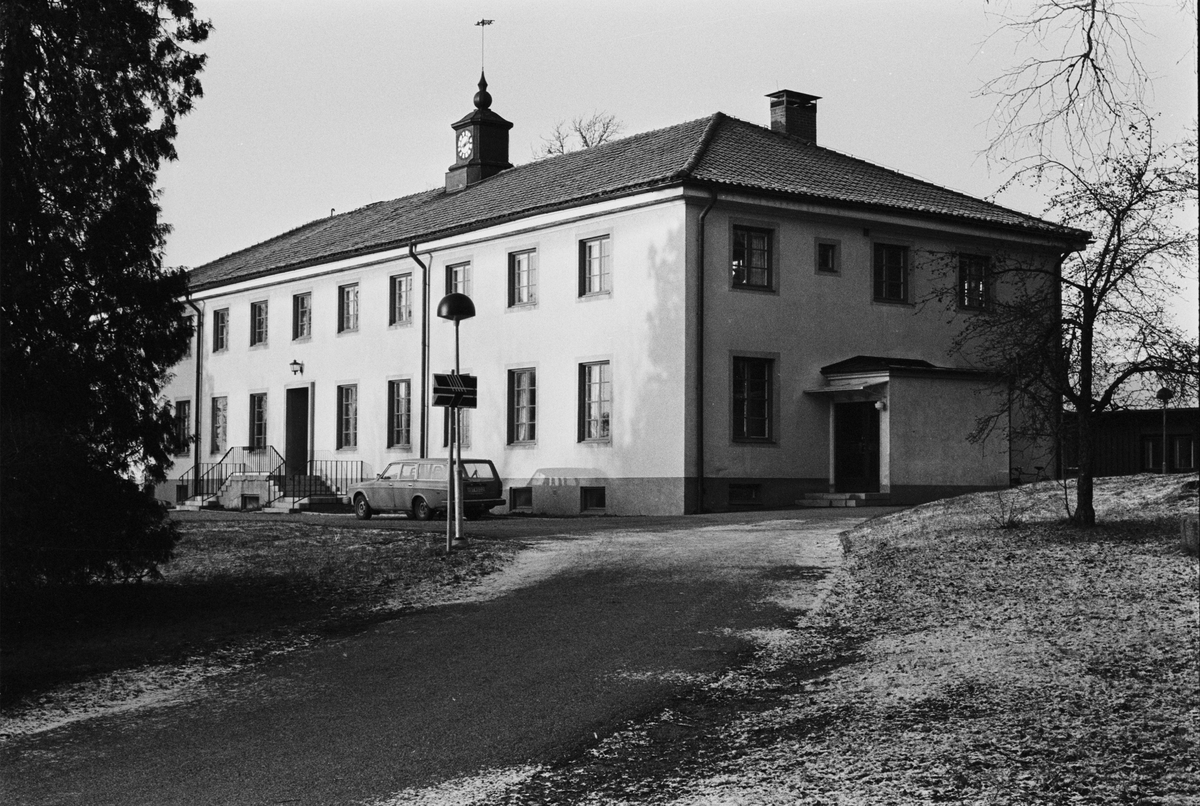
pixel 297 368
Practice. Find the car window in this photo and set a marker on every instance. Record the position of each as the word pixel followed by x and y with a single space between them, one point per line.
pixel 478 470
pixel 392 471
pixel 408 471
pixel 439 472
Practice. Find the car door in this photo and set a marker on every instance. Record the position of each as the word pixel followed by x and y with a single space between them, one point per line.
pixel 432 483
pixel 382 492
pixel 406 485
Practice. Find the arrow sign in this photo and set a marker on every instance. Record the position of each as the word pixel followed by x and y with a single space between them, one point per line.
pixel 455 390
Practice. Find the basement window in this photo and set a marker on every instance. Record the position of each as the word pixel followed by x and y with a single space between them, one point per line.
pixel 520 498
pixel 592 499
pixel 744 495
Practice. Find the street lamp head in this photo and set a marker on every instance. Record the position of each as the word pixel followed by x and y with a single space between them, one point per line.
pixel 456 307
pixel 1165 394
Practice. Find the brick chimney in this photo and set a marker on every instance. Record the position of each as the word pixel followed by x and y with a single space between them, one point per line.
pixel 794 113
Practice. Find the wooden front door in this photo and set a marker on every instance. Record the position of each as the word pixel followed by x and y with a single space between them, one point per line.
pixel 295 450
pixel 856 448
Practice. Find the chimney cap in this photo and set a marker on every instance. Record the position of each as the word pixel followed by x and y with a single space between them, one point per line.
pixel 799 98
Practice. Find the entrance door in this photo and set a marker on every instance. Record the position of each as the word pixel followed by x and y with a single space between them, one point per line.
pixel 856 448
pixel 295 449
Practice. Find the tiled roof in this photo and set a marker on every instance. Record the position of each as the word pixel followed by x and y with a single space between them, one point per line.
pixel 718 150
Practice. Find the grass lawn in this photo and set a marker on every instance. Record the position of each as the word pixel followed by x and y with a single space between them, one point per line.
pixel 237 590
pixel 973 651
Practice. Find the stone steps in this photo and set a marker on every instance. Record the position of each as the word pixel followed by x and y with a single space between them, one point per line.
pixel 843 500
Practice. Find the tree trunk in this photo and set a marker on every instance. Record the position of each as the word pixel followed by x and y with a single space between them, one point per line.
pixel 1085 511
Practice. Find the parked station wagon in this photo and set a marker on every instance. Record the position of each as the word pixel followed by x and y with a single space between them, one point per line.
pixel 418 487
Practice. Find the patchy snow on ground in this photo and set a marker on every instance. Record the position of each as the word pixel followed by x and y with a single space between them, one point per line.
pixel 473 790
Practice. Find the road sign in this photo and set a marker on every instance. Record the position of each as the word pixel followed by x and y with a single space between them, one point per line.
pixel 455 390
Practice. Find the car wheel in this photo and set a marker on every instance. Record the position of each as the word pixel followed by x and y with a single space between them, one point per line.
pixel 421 510
pixel 362 510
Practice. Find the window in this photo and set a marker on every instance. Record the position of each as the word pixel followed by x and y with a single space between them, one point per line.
pixel 744 494
pixel 464 427
pixel 595 266
pixel 458 279
pixel 752 396
pixel 301 316
pixel 347 414
pixel 595 402
pixel 1184 452
pixel 829 259
pixel 751 258
pixel 258 323
pixel 258 421
pixel 520 498
pixel 522 406
pixel 399 414
pixel 522 278
pixel 190 323
pixel 400 296
pixel 891 273
pixel 347 308
pixel 974 277
pixel 220 330
pixel 219 441
pixel 592 499
pixel 183 416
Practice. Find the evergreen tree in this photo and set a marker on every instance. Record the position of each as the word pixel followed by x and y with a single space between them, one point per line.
pixel 90 92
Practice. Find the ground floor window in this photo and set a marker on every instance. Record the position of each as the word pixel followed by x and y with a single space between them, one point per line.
pixel 399 413
pixel 183 416
pixel 347 427
pixel 258 421
pixel 595 402
pixel 752 398
pixel 522 406
pixel 220 425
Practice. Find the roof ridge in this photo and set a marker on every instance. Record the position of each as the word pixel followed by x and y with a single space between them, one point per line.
pixel 710 130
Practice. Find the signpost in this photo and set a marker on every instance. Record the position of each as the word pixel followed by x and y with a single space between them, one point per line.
pixel 456 391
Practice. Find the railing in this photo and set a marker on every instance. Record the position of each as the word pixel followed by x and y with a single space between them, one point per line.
pixel 338 475
pixel 321 476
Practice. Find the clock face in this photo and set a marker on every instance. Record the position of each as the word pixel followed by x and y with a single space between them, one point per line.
pixel 464 145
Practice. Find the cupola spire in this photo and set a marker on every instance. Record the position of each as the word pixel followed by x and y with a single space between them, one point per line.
pixel 480 143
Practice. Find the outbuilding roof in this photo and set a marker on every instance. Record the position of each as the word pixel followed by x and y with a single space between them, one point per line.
pixel 719 151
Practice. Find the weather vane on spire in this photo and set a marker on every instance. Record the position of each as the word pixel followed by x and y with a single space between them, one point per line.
pixel 482 27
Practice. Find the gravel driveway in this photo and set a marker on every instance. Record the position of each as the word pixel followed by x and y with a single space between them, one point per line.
pixel 542 661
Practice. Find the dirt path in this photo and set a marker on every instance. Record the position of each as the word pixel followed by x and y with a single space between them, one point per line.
pixel 551 656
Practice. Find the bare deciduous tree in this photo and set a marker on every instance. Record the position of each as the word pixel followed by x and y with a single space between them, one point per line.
pixel 581 132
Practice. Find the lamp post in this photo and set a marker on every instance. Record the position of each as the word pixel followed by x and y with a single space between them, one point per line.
pixel 1164 395
pixel 455 307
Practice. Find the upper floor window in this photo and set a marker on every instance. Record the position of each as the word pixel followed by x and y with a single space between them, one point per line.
pixel 347 413
pixel 220 330
pixel 974 277
pixel 301 316
pixel 829 259
pixel 258 421
pixel 891 273
pixel 522 406
pixel 595 266
pixel 752 257
pixel 522 278
pixel 190 323
pixel 258 323
pixel 399 413
pixel 400 299
pixel 595 402
pixel 458 279
pixel 347 307
pixel 752 398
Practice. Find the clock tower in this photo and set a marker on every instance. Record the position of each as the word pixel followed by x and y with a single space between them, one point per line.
pixel 480 144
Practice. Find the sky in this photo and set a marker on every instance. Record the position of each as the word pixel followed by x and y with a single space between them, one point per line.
pixel 318 105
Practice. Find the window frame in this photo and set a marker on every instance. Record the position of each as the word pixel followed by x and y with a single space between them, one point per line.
pixel 836 245
pixel 400 312
pixel 980 283
pixel 259 323
pixel 258 424
pixel 218 429
pixel 347 316
pixel 182 425
pixel 452 284
pixel 399 424
pixel 220 326
pixel 529 272
pixel 347 417
pixel 464 426
pixel 749 230
pixel 516 407
pixel 604 404
pixel 302 315
pixel 879 280
pixel 588 494
pixel 605 264
pixel 738 415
